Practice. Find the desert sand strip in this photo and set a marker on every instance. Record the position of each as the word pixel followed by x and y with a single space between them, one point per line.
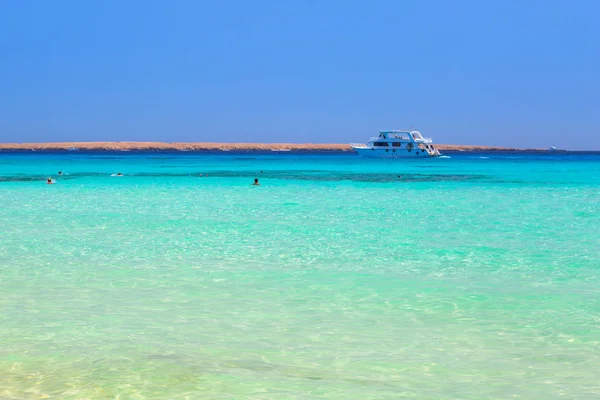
pixel 212 146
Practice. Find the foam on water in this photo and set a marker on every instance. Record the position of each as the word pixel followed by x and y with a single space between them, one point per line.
pixel 464 278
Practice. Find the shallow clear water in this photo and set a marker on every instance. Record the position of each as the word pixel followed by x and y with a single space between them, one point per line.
pixel 474 276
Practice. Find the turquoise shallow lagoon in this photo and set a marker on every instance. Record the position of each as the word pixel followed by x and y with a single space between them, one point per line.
pixel 475 276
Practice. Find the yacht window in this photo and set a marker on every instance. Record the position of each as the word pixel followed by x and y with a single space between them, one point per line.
pixel 380 144
pixel 396 144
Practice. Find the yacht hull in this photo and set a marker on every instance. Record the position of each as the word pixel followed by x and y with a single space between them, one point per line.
pixel 390 153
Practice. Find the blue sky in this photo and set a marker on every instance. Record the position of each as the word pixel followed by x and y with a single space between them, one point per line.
pixel 508 73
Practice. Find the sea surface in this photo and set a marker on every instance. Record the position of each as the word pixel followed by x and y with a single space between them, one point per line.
pixel 474 276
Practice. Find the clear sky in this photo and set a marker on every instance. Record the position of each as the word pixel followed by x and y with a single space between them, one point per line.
pixel 508 73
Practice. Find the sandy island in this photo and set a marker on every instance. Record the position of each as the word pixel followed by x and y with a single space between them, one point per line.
pixel 210 146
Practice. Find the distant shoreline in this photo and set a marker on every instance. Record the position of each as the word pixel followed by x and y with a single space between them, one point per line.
pixel 214 146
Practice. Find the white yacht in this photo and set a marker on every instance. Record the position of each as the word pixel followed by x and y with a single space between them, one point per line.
pixel 397 144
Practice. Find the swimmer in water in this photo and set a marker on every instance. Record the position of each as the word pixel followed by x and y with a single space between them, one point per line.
pixel 256 182
pixel 119 174
pixel 49 181
pixel 60 172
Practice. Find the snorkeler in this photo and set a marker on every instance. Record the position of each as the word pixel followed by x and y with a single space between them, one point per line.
pixel 256 182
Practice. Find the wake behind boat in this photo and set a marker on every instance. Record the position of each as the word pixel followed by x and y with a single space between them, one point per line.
pixel 397 144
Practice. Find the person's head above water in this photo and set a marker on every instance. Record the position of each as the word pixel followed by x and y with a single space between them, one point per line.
pixel 256 181
pixel 119 174
pixel 49 181
pixel 60 172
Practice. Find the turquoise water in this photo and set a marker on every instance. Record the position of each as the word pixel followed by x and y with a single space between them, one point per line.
pixel 475 276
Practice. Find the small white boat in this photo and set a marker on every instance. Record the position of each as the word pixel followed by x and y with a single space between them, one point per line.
pixel 552 148
pixel 397 144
